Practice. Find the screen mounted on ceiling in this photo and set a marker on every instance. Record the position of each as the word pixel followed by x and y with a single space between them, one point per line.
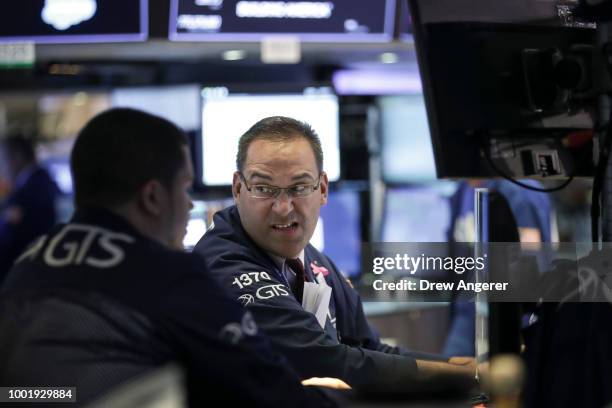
pixel 74 21
pixel 245 20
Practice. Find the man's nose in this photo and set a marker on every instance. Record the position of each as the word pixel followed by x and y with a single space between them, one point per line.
pixel 283 204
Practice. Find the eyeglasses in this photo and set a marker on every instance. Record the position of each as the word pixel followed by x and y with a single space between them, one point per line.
pixel 268 191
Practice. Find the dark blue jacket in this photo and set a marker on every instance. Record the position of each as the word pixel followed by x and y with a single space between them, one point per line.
pixel 158 305
pixel 35 198
pixel 348 348
pixel 568 350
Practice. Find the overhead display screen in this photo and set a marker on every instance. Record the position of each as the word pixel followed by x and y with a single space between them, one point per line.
pixel 162 101
pixel 74 21
pixel 246 20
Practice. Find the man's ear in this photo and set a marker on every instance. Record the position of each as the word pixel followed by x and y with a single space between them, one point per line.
pixel 152 198
pixel 236 185
pixel 324 186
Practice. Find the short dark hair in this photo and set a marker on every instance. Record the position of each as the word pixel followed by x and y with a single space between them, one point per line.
pixel 121 149
pixel 279 129
pixel 18 145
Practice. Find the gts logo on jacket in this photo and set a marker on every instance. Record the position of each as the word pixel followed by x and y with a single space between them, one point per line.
pixel 78 244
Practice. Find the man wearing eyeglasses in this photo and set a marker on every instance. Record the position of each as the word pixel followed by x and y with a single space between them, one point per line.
pixel 259 249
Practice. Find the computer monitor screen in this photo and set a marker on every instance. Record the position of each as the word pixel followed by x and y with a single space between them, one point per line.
pixel 420 215
pixel 417 214
pixel 341 224
pixel 179 104
pixel 83 21
pixel 226 116
pixel 240 20
pixel 200 218
pixel 407 153
pixel 377 81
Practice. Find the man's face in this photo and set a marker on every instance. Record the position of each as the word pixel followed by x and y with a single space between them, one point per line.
pixel 284 225
pixel 179 204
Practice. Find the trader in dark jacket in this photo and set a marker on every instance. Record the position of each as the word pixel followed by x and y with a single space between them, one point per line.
pixel 260 250
pixel 29 210
pixel 111 295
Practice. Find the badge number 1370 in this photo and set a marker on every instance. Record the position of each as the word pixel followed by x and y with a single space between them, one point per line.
pixel 247 279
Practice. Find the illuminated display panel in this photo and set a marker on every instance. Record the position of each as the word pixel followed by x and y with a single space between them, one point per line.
pixel 317 21
pixel 227 116
pixel 407 153
pixel 74 21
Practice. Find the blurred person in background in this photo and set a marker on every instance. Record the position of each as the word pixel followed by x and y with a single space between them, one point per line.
pixel 29 208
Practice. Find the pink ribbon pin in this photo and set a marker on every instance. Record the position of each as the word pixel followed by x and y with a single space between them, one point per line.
pixel 316 269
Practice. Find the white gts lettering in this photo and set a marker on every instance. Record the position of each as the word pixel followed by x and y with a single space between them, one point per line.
pixel 269 291
pixel 73 244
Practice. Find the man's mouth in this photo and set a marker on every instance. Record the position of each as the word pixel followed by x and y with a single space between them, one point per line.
pixel 291 226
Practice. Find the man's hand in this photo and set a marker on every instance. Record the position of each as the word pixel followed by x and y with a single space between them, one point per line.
pixel 327 382
pixel 463 361
pixel 456 366
pixel 458 372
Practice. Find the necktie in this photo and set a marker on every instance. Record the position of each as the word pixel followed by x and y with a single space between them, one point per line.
pixel 300 277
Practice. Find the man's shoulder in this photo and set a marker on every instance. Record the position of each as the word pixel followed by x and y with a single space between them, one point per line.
pixel 226 241
pixel 235 261
pixel 72 248
pixel 225 223
pixel 159 262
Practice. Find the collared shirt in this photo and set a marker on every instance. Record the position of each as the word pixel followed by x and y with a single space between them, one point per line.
pixel 287 272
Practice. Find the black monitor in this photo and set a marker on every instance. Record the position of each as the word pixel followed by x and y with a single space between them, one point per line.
pixel 84 21
pixel 317 21
pixel 507 85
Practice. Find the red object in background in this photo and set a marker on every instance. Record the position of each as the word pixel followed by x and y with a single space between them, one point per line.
pixel 5 188
pixel 578 138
